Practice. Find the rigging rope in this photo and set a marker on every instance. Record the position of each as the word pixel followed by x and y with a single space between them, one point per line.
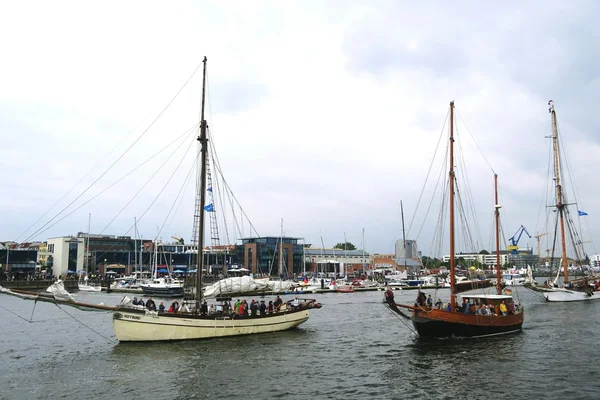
pixel 116 182
pixel 402 320
pixel 476 144
pixel 17 315
pixel 32 311
pixel 428 171
pixel 149 180
pixel 121 156
pixel 91 329
pixel 179 196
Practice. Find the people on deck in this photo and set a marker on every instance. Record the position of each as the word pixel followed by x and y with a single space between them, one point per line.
pixel 421 298
pixel 503 308
pixel 253 308
pixel 466 307
pixel 511 308
pixel 438 304
pixel 277 304
pixel 389 295
pixel 429 302
pixel 262 308
pixel 141 302
pixel 150 304
pixel 204 308
pixel 271 307
pixel 135 301
pixel 161 307
pixel 295 302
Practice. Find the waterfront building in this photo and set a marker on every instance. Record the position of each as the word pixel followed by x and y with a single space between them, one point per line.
pixel 407 257
pixel 338 262
pixel 17 259
pixel 271 255
pixel 595 260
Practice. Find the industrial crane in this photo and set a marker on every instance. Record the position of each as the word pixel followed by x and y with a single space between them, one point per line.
pixel 538 237
pixel 514 243
pixel 179 240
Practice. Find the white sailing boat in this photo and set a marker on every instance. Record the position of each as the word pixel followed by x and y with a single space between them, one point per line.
pixel 161 286
pixel 131 324
pixel 135 323
pixel 581 289
pixel 83 284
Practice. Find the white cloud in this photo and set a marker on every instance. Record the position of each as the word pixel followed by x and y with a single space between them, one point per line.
pixel 325 115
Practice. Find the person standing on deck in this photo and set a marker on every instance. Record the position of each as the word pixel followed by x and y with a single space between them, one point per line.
pixel 503 308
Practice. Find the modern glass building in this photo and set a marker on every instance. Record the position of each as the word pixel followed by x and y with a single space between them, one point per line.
pixel 271 255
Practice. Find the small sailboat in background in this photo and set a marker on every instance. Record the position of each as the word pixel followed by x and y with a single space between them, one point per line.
pixel 83 284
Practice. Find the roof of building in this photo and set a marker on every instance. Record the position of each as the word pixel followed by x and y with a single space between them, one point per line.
pixel 314 252
pixel 409 262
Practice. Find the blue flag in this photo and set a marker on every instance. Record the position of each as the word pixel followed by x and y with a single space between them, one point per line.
pixel 209 208
pixel 581 213
pixel 209 189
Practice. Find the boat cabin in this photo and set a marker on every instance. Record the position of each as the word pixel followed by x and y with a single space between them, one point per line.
pixel 492 301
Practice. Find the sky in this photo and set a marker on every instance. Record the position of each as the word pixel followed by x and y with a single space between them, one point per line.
pixel 323 114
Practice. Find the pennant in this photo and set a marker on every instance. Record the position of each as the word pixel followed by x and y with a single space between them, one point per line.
pixel 581 213
pixel 209 208
pixel 209 189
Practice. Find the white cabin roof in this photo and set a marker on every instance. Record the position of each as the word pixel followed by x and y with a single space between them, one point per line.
pixel 487 296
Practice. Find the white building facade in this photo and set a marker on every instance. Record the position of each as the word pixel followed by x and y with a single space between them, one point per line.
pixel 487 259
pixel 67 254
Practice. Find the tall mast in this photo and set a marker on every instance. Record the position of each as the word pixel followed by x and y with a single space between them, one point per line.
pixel 303 257
pixel 203 142
pixel 451 201
pixel 87 244
pixel 497 217
pixel 403 233
pixel 559 195
pixel 364 264
pixel 281 250
pixel 135 262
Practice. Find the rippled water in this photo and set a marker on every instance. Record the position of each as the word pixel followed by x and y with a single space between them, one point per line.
pixel 352 348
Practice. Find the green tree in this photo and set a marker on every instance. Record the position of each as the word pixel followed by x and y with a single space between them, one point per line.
pixel 484 252
pixel 345 246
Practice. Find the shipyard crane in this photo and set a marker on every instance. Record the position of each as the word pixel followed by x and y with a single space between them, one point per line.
pixel 179 240
pixel 538 237
pixel 514 240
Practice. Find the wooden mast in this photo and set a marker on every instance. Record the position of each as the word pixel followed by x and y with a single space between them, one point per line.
pixel 451 187
pixel 559 195
pixel 497 217
pixel 203 142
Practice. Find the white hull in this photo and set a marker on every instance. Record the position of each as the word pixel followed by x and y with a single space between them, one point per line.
pixel 131 326
pixel 88 288
pixel 563 295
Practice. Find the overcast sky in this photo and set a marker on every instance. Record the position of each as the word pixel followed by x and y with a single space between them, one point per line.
pixel 325 114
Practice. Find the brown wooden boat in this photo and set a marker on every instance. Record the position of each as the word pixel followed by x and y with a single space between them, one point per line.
pixel 480 314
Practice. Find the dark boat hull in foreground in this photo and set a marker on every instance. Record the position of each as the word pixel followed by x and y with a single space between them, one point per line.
pixel 461 325
pixel 163 292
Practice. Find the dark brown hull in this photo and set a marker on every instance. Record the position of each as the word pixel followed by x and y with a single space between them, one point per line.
pixel 443 324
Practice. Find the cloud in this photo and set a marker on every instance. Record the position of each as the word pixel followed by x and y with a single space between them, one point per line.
pixel 325 115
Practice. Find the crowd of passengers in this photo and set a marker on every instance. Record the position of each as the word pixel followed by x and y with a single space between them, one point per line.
pixel 240 307
pixel 478 307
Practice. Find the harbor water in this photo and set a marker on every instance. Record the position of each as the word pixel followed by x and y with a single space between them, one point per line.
pixel 352 348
